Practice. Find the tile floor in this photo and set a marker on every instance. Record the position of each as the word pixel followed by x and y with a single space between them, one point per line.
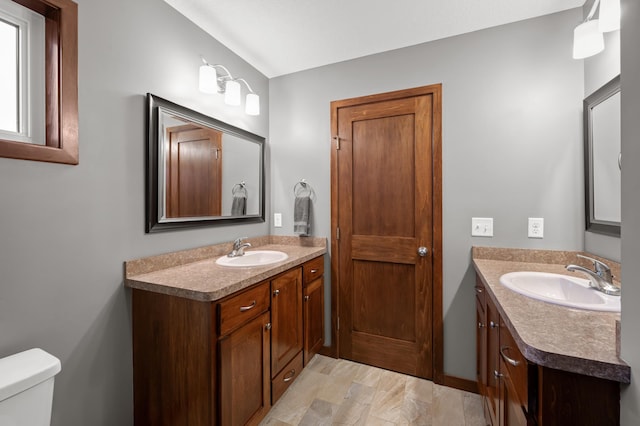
pixel 341 392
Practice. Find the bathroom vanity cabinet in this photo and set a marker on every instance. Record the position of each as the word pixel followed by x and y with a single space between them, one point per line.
pixel 224 361
pixel 313 277
pixel 518 392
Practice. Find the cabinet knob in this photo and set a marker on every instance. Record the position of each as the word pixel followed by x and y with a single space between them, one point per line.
pixel 276 292
pixel 268 326
pixel 422 251
pixel 497 375
pixel 306 298
pixel 313 271
pixel 493 324
pixel 480 325
pixel 479 290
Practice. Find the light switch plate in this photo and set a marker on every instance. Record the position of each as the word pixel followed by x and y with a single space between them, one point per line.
pixel 482 227
pixel 536 227
pixel 277 220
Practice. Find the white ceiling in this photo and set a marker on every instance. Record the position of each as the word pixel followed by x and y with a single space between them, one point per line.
pixel 284 36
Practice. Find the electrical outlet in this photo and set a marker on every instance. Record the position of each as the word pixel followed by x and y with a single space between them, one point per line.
pixel 482 227
pixel 277 220
pixel 536 227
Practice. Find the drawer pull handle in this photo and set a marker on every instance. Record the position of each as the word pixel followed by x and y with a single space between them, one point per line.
pixel 313 271
pixel 493 324
pixel 506 358
pixel 246 308
pixel 290 375
pixel 276 292
pixel 479 290
pixel 497 375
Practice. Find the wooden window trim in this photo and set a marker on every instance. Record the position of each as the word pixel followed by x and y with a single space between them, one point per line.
pixel 61 85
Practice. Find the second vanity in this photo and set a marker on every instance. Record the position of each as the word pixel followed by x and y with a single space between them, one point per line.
pixel 540 363
pixel 220 345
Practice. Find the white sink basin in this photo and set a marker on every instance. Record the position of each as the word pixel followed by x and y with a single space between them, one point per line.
pixel 560 290
pixel 253 258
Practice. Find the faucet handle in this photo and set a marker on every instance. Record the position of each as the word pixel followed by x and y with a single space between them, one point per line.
pixel 238 241
pixel 601 268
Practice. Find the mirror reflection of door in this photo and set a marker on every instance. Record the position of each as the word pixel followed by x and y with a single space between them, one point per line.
pixel 194 171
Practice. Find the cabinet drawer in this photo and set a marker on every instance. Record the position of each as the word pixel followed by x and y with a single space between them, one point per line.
pixel 515 363
pixel 282 381
pixel 238 309
pixel 313 269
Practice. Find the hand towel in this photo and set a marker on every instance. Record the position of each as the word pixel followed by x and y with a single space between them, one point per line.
pixel 302 215
pixel 239 205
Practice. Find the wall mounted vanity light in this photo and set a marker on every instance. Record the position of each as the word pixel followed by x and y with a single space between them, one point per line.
pixel 210 81
pixel 588 38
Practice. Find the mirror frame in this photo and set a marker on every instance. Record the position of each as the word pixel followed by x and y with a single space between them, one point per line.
pixel 596 98
pixel 153 104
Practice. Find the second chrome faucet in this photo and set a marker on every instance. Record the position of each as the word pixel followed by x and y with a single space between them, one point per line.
pixel 601 279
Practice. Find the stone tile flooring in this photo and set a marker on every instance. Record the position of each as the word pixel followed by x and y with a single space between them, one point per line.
pixel 340 392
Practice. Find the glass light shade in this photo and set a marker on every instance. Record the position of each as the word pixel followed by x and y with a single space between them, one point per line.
pixel 609 16
pixel 252 104
pixel 208 79
pixel 232 93
pixel 587 40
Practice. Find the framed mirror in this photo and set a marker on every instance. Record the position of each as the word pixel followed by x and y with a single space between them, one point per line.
pixel 603 159
pixel 200 171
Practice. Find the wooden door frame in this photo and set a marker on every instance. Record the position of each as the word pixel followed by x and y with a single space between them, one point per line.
pixel 435 90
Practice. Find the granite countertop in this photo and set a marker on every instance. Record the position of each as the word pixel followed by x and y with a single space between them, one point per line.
pixel 550 335
pixel 194 274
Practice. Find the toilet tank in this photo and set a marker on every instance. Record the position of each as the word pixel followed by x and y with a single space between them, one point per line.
pixel 26 388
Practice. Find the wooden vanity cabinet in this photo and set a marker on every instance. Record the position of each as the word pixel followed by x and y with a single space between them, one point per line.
pixel 313 304
pixel 521 393
pixel 287 330
pixel 244 349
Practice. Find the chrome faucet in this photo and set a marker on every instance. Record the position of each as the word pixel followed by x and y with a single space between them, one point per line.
pixel 601 279
pixel 238 247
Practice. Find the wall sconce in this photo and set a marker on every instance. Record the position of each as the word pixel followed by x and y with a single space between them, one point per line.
pixel 212 82
pixel 588 38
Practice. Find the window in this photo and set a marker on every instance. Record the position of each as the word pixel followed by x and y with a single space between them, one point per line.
pixel 22 112
pixel 39 84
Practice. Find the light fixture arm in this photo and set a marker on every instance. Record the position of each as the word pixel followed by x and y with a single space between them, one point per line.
pixel 592 11
pixel 223 78
pixel 246 84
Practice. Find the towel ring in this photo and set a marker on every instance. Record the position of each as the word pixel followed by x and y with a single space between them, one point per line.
pixel 303 188
pixel 239 188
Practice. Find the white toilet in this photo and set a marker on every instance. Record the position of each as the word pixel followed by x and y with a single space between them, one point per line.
pixel 26 388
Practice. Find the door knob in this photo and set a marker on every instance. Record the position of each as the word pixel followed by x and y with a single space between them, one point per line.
pixel 422 251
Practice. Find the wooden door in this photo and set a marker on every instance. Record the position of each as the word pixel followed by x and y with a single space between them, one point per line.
pixel 245 396
pixel 194 172
pixel 286 317
pixel 383 210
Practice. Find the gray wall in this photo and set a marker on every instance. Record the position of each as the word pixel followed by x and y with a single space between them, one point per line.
pixel 630 92
pixel 512 144
pixel 66 230
pixel 598 70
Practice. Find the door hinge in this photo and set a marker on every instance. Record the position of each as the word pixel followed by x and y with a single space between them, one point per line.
pixel 337 139
pixel 337 233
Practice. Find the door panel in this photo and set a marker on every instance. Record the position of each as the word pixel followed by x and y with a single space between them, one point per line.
pixel 384 213
pixel 194 172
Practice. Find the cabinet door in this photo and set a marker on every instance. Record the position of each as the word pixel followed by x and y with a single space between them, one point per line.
pixel 481 348
pixel 493 356
pixel 511 409
pixel 244 373
pixel 313 318
pixel 286 317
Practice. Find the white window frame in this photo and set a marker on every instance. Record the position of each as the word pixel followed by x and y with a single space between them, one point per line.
pixel 31 78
